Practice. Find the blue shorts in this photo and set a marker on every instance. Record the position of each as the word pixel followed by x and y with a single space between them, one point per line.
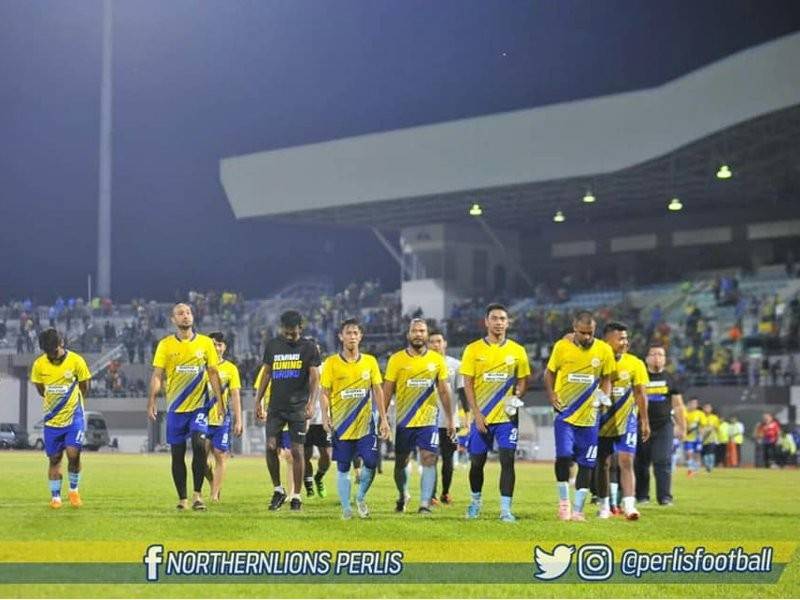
pixel 575 442
pixel 463 440
pixel 344 451
pixel 220 435
pixel 181 426
pixel 56 439
pixel 693 446
pixel 505 434
pixel 622 443
pixel 424 438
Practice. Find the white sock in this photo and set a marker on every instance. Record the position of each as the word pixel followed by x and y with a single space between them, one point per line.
pixel 604 503
pixel 294 496
pixel 614 489
pixel 279 488
pixel 628 503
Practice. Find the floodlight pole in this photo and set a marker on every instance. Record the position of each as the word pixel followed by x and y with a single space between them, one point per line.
pixel 404 270
pixel 104 197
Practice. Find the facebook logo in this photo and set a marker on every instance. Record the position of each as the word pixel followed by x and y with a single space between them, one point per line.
pixel 152 558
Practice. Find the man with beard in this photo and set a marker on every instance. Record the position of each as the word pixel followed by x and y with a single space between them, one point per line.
pixel 189 361
pixel 577 381
pixel 418 378
pixel 619 424
pixel 291 364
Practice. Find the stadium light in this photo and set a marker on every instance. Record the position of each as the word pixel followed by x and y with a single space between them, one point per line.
pixel 475 210
pixel 675 204
pixel 559 217
pixel 724 172
pixel 588 198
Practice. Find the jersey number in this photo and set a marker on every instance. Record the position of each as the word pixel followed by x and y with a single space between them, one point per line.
pixel 201 419
pixel 435 438
pixel 630 439
pixel 81 437
pixel 591 453
pixel 512 437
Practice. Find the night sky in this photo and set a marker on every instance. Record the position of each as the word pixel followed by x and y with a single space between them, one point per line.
pixel 198 81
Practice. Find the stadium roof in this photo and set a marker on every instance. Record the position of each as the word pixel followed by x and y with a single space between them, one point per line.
pixel 633 150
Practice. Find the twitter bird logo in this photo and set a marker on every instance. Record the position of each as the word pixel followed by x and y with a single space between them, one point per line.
pixel 553 565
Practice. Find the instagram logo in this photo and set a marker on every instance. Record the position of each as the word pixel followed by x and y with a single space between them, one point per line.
pixel 595 562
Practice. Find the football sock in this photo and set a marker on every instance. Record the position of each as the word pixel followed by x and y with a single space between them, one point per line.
pixel 427 484
pixel 343 487
pixel 367 475
pixel 563 490
pixel 628 503
pixel 614 493
pixel 580 500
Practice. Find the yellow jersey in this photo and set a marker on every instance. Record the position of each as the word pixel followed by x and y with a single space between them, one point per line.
pixel 578 372
pixel 495 370
pixel 628 373
pixel 62 398
pixel 723 433
pixel 695 420
pixel 229 380
pixel 184 363
pixel 415 378
pixel 709 432
pixel 349 385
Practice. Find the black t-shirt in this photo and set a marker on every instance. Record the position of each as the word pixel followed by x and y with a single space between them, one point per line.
pixel 660 390
pixel 290 363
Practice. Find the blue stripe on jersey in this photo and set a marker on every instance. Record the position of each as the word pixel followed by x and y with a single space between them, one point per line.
pixel 209 402
pixel 349 419
pixel 416 406
pixel 187 391
pixel 572 408
pixel 656 397
pixel 61 403
pixel 498 396
pixel 615 407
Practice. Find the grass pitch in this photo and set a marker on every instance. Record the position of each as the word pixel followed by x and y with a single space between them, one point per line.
pixel 129 504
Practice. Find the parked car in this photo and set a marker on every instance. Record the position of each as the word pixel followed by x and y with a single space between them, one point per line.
pixel 96 432
pixel 11 436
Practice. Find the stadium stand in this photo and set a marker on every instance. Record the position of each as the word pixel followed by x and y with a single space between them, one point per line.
pixel 722 328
